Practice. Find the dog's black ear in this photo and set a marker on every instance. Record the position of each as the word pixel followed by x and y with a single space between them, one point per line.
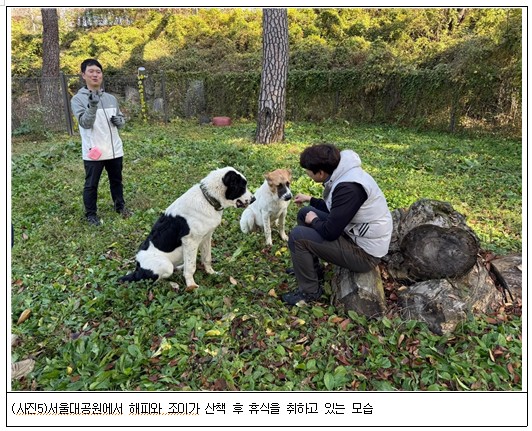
pixel 235 183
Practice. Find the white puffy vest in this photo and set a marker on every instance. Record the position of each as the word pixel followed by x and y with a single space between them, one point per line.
pixel 371 227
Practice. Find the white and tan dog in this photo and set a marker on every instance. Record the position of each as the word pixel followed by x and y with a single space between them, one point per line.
pixel 187 226
pixel 270 206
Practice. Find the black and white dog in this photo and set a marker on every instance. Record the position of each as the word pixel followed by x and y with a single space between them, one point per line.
pixel 187 225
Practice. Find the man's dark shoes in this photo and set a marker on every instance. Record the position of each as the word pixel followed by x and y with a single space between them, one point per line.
pixel 292 298
pixel 93 220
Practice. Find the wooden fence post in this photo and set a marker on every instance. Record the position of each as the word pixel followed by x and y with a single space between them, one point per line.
pixel 68 111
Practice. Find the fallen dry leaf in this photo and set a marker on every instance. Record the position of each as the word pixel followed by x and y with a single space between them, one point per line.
pixel 400 340
pixel 24 315
pixel 174 286
pixel 233 281
pixel 272 293
pixel 344 323
pixel 342 359
pixel 22 368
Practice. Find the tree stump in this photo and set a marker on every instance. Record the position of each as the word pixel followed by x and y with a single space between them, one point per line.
pixel 431 240
pixel 508 271
pixel 360 292
pixel 435 257
pixel 443 303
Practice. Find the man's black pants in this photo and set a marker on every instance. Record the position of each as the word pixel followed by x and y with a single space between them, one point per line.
pixel 93 172
pixel 307 246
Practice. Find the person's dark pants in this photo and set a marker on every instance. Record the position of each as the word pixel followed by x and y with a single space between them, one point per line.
pixel 93 172
pixel 307 246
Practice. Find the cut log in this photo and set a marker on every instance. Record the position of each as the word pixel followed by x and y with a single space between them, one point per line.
pixel 509 273
pixel 359 292
pixel 442 304
pixel 431 240
pixel 432 251
pixel 436 256
pixel 433 302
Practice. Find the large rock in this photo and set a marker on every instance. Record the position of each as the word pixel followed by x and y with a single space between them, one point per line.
pixel 195 101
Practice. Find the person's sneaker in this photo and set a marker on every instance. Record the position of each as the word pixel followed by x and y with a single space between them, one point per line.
pixel 94 220
pixel 124 212
pixel 292 298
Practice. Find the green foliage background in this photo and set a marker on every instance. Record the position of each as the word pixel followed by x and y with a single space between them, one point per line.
pixel 433 68
pixel 87 332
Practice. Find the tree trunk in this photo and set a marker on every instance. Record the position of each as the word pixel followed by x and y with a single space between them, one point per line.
pixel 272 99
pixel 51 85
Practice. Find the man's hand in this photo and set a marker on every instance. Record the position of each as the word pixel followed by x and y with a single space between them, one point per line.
pixel 311 215
pixel 94 99
pixel 301 198
pixel 118 121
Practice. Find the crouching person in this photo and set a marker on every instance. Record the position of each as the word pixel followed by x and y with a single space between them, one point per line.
pixel 351 226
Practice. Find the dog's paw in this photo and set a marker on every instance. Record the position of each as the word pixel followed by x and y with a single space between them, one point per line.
pixel 209 270
pixel 191 288
pixel 284 236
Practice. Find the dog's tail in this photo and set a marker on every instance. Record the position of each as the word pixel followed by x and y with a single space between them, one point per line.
pixel 247 222
pixel 138 275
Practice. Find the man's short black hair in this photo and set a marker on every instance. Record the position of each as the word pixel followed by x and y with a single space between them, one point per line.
pixel 321 157
pixel 90 62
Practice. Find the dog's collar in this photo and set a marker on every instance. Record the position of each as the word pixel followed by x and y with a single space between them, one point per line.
pixel 211 199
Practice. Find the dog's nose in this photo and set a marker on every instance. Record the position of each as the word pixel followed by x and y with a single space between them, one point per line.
pixel 288 197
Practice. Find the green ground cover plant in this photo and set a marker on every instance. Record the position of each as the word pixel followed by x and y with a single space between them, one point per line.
pixel 88 332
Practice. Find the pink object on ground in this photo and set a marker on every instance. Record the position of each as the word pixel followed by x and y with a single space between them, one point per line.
pixel 221 121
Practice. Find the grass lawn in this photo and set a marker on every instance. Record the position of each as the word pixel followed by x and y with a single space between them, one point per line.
pixel 87 332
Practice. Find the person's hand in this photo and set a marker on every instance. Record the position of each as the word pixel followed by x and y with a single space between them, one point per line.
pixel 311 215
pixel 94 99
pixel 117 120
pixel 301 198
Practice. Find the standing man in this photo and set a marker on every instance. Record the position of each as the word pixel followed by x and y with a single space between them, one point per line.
pixel 99 119
pixel 350 227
